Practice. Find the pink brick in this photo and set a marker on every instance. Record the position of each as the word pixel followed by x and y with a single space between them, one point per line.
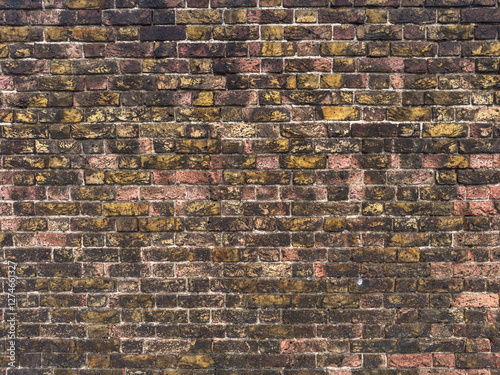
pixel 6 83
pixel 495 192
pixel 441 270
pixel 397 81
pixel 303 346
pixel 248 193
pixel 477 192
pixel 344 32
pixel 163 178
pixel 51 239
pixel 197 192
pixel 58 193
pixel 493 316
pixel 431 161
pixel 443 360
pixel 266 193
pixel 409 360
pixel 96 83
pixel 356 192
pixel 319 270
pixel 476 300
pixel 103 162
pixel 30 193
pixel 127 193
pixel 339 161
pixel 163 193
pixel 268 162
pixel 12 224
pixel 481 161
pixel 474 208
pixel 290 255
pixel 496 161
pixel 476 270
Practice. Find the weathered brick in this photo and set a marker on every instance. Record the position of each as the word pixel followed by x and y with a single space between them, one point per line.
pixel 464 32
pixel 480 15
pixel 154 33
pixel 251 187
pixel 412 15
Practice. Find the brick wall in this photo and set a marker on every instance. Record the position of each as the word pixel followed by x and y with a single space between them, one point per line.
pixel 251 187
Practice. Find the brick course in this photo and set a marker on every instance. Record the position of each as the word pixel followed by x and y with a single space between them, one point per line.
pixel 251 187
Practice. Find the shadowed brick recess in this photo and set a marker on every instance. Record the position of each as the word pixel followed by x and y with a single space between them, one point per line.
pixel 251 187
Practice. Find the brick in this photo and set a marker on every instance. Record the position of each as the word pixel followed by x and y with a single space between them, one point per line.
pixel 20 34
pixel 445 130
pixel 339 113
pixel 154 33
pixel 412 15
pixel 127 17
pixel 475 300
pixel 130 50
pixel 202 16
pixel 90 4
pixel 343 48
pixel 268 16
pixel 355 16
pixel 416 49
pixel 464 32
pixel 479 15
pixel 452 3
pixel 86 34
pixel 409 114
pixel 379 32
pixel 382 65
pixel 251 187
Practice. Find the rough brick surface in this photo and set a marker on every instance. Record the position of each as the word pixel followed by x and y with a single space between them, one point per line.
pixel 251 187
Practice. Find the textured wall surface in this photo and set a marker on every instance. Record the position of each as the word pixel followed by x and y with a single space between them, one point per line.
pixel 253 187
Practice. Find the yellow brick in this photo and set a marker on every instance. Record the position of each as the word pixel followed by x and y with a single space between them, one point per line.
pixel 376 15
pixel 18 34
pixel 125 209
pixel 204 99
pixel 306 16
pixel 409 255
pixel 445 130
pixel 88 34
pixel 339 113
pixel 56 34
pixel 199 32
pixel 307 81
pixel 4 50
pixel 271 32
pixel 409 114
pixel 343 48
pixel 232 16
pixel 60 67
